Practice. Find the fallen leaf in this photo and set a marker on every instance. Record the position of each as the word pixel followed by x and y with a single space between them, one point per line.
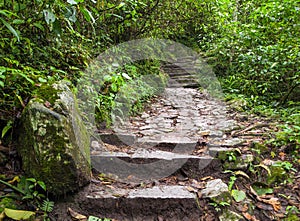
pixel 191 189
pixel 242 173
pixel 280 215
pixel 264 206
pixel 238 195
pixel 249 217
pixel 245 208
pixel 274 202
pixel 282 155
pixel 18 214
pixel 76 216
pixel 207 178
pixel 15 179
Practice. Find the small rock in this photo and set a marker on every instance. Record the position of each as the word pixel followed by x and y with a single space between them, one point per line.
pixel 145 116
pixel 214 188
pixel 95 145
pixel 241 162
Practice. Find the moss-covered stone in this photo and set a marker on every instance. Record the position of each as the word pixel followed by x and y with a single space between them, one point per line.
pixel 54 143
pixel 228 215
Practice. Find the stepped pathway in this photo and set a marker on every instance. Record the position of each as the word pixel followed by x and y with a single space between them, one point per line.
pixel 150 164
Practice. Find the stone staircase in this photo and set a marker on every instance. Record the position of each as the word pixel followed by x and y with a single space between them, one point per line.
pixel 153 166
pixel 183 72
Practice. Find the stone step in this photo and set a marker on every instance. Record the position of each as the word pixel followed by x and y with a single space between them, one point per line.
pixel 145 164
pixel 170 203
pixel 184 85
pixel 185 80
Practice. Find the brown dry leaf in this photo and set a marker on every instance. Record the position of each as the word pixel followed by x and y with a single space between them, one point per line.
pixel 274 202
pixel 207 178
pixel 249 217
pixel 271 200
pixel 280 215
pixel 264 206
pixel 244 208
pixel 282 155
pixel 76 216
pixel 191 189
pixel 197 184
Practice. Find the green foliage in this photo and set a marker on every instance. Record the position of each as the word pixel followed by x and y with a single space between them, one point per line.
pixel 26 190
pixel 124 91
pixel 7 203
pixel 254 48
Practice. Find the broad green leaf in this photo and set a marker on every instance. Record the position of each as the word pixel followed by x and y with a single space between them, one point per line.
pixel 18 214
pixel 12 30
pixel 114 87
pixel 39 25
pixel 31 180
pixel 93 218
pixel 42 80
pixel 42 185
pixel 262 190
pixel 1 84
pixel 238 195
pixel 18 21
pixel 8 13
pixel 8 125
pixel 49 16
pixel 107 78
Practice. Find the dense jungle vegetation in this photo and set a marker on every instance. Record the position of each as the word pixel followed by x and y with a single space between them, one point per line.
pixel 252 45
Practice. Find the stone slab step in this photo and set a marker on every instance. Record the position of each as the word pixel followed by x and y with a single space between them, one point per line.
pixel 154 203
pixel 184 85
pixel 152 164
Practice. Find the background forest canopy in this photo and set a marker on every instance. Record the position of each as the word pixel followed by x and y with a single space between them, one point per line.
pixel 253 45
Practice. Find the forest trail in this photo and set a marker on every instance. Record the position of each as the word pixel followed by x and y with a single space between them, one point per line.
pixel 152 165
pixel 168 162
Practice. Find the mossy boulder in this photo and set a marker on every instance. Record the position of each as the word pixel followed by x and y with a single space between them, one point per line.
pixel 53 142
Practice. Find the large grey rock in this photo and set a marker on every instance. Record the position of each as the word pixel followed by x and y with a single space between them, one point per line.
pixel 53 141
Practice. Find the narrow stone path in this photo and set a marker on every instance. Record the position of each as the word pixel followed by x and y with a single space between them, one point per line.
pixel 150 161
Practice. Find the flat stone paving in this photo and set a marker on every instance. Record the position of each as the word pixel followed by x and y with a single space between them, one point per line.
pixel 181 115
pixel 155 145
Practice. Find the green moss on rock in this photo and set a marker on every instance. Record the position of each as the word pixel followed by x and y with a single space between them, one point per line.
pixel 55 145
